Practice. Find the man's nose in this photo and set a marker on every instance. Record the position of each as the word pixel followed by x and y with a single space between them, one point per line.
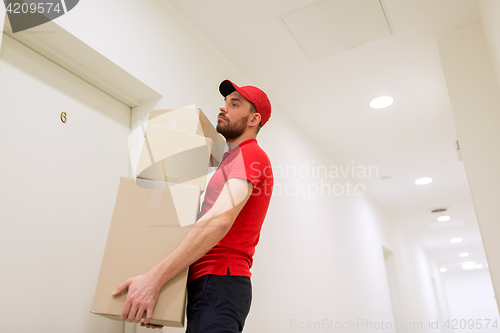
pixel 223 108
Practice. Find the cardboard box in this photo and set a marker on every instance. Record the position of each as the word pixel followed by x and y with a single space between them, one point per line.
pixel 173 156
pixel 170 163
pixel 147 224
pixel 179 147
pixel 190 120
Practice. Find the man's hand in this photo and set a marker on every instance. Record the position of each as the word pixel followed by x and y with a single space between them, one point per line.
pixel 143 291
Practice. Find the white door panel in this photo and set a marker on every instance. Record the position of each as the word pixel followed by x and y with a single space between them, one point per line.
pixel 58 184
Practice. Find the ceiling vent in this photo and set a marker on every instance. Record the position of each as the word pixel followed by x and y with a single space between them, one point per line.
pixel 331 26
pixel 439 210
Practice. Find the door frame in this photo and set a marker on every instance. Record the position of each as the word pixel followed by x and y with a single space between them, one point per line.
pixel 68 51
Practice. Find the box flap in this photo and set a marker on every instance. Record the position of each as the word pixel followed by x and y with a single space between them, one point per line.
pixel 184 119
pixel 189 119
pixel 210 131
pixel 174 156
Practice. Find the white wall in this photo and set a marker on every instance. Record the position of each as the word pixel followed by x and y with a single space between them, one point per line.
pixel 441 299
pixel 320 256
pixel 57 193
pixel 490 20
pixel 475 98
pixel 468 288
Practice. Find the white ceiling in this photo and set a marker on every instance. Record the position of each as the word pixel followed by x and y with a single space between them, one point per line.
pixel 328 99
pixel 327 27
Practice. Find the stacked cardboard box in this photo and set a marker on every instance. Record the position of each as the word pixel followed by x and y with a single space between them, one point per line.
pixel 156 209
pixel 178 145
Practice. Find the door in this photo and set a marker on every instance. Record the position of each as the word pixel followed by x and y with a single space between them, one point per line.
pixel 58 184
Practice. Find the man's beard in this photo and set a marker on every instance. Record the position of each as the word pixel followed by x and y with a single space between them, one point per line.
pixel 232 131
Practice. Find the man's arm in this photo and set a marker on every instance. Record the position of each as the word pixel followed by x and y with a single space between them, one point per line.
pixel 143 290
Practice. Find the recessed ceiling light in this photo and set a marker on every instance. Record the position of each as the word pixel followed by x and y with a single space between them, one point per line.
pixel 468 265
pixel 381 102
pixel 478 266
pixel 443 218
pixel 423 181
pixel 456 240
pixel 463 255
pixel 443 269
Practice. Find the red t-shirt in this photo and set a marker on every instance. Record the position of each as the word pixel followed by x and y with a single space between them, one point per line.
pixel 235 251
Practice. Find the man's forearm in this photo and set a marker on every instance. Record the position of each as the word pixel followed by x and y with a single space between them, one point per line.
pixel 206 233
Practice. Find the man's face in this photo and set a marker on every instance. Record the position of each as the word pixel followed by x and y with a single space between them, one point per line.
pixel 233 119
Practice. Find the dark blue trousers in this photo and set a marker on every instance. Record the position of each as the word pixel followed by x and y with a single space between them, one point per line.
pixel 218 303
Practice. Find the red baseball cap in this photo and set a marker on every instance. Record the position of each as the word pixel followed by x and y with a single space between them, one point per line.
pixel 252 94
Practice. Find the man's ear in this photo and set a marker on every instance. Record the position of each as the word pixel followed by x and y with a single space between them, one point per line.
pixel 254 119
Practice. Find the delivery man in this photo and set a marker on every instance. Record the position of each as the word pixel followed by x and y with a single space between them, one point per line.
pixel 220 247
